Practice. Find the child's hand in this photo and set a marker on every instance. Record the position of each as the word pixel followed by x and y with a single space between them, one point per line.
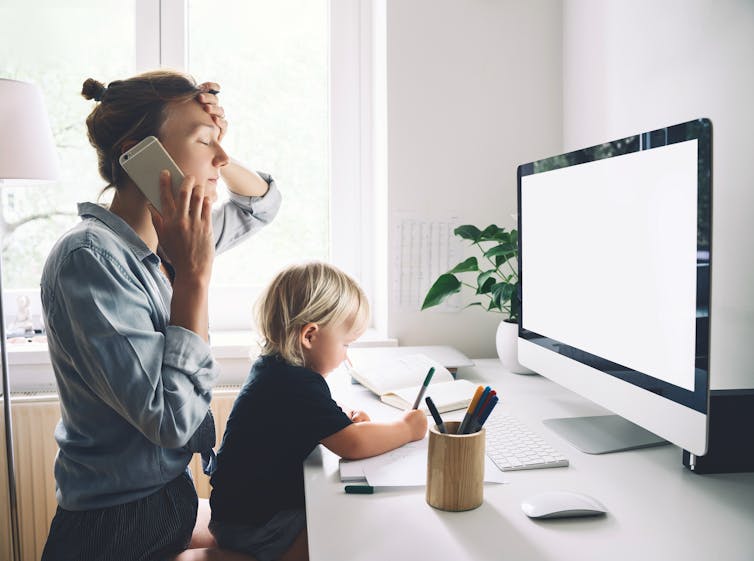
pixel 359 416
pixel 417 423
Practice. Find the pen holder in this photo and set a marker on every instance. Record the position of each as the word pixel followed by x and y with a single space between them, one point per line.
pixel 455 468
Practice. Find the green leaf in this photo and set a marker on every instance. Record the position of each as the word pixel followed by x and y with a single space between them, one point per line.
pixel 500 286
pixel 485 286
pixel 489 231
pixel 493 233
pixel 507 292
pixel 503 249
pixel 501 259
pixel 502 292
pixel 469 264
pixel 468 232
pixel 444 286
pixel 484 276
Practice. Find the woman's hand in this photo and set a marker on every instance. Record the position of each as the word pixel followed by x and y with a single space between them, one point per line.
pixel 210 104
pixel 236 176
pixel 184 230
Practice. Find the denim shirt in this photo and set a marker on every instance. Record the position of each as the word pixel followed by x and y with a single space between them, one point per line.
pixel 133 389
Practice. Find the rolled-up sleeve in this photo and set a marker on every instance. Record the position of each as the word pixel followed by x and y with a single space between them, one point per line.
pixel 242 215
pixel 159 382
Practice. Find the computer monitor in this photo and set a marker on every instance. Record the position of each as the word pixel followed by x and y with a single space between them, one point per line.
pixel 615 284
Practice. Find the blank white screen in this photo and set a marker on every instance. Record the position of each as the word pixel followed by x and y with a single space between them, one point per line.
pixel 609 259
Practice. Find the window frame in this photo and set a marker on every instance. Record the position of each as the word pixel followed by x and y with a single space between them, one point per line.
pixel 163 40
pixel 357 165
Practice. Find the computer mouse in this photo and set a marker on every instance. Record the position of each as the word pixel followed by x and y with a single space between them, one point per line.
pixel 561 504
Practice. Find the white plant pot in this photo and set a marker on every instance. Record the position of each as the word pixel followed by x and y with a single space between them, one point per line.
pixel 506 341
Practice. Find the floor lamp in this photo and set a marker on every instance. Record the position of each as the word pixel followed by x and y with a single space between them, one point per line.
pixel 27 156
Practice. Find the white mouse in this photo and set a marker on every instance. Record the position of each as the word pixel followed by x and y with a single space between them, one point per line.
pixel 561 504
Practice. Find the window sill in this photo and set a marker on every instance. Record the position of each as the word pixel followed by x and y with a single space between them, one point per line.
pixel 29 367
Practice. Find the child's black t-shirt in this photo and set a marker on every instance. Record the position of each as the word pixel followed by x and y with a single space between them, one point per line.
pixel 279 417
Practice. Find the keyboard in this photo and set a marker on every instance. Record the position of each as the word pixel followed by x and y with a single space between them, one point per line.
pixel 512 446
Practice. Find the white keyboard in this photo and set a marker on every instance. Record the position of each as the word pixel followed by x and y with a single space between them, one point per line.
pixel 512 446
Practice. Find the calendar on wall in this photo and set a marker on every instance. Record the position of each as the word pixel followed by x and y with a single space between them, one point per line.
pixel 422 251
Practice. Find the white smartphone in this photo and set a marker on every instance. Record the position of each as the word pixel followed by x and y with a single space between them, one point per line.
pixel 144 162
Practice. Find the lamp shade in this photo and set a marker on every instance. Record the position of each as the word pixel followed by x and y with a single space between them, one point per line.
pixel 27 150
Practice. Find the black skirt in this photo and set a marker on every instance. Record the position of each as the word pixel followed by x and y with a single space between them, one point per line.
pixel 154 528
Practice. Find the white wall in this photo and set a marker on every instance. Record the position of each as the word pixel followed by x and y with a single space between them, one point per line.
pixel 634 66
pixel 473 90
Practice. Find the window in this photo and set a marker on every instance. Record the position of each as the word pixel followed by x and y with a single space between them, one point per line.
pixel 273 61
pixel 58 45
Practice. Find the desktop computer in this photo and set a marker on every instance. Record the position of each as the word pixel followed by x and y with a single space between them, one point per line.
pixel 615 256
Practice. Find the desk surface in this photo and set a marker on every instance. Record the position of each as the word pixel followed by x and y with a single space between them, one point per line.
pixel 658 510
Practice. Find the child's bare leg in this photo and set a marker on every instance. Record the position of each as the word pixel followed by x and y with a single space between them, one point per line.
pixel 201 536
pixel 299 550
pixel 212 554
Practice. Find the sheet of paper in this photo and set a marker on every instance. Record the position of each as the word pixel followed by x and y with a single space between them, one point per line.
pixel 355 469
pixel 405 467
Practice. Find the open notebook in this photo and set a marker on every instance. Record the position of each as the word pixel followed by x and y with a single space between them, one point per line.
pixel 397 380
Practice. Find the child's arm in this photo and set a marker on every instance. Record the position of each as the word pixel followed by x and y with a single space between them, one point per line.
pixel 356 415
pixel 362 440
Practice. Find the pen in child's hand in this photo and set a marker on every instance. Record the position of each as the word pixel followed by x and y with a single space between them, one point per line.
pixel 435 414
pixel 423 388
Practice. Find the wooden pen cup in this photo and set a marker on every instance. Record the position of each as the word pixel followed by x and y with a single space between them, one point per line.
pixel 455 468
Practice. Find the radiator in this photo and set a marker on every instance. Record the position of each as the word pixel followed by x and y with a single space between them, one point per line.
pixel 34 420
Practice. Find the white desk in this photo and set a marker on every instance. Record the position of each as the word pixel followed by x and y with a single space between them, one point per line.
pixel 658 510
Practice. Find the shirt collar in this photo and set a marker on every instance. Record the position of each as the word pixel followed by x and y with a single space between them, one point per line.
pixel 117 225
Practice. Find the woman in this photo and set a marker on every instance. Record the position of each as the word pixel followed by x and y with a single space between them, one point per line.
pixel 124 295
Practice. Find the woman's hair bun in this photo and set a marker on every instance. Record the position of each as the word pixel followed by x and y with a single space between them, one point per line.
pixel 92 89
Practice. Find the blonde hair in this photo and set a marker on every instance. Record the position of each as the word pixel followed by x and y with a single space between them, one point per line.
pixel 312 292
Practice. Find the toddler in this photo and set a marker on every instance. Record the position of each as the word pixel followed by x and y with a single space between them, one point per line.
pixel 307 317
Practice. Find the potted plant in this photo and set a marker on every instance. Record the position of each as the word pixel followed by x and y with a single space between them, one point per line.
pixel 496 284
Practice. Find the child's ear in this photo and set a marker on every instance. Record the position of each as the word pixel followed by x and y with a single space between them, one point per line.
pixel 308 333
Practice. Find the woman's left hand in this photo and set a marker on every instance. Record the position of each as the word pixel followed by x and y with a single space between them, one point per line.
pixel 210 104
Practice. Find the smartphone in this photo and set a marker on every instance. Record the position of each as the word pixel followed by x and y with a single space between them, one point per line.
pixel 143 164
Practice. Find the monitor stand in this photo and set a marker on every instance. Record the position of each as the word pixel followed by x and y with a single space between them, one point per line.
pixel 603 434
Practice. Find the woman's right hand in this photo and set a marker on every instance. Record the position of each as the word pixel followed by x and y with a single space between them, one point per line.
pixel 184 229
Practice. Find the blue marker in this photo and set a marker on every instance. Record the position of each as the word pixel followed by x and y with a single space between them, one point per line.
pixel 471 414
pixel 486 412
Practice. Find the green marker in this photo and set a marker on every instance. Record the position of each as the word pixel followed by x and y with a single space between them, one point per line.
pixel 359 489
pixel 423 388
